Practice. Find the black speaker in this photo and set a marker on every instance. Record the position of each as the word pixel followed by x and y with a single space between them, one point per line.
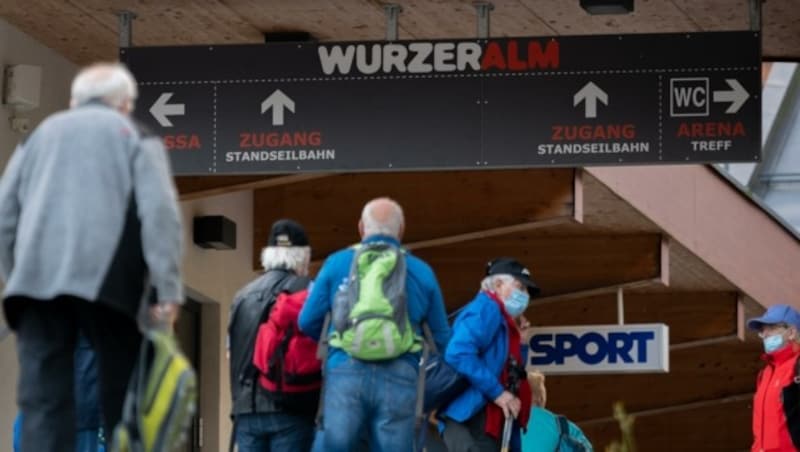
pixel 215 231
pixel 607 6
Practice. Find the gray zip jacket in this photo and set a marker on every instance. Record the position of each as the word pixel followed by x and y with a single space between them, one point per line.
pixel 88 209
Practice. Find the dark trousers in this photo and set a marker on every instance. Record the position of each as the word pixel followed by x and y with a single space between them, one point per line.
pixel 46 337
pixel 469 436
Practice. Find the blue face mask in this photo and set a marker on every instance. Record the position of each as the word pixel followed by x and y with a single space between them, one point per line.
pixel 773 343
pixel 516 303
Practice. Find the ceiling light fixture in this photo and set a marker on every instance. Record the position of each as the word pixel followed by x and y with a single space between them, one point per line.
pixel 595 7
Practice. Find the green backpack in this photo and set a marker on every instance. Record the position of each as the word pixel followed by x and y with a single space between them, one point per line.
pixel 370 312
pixel 161 398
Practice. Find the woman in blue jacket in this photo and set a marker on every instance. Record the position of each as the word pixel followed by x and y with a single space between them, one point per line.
pixel 486 349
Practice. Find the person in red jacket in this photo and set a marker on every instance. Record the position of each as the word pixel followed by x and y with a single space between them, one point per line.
pixel 778 328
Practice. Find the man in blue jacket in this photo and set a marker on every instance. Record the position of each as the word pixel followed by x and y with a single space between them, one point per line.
pixel 373 399
pixel 486 348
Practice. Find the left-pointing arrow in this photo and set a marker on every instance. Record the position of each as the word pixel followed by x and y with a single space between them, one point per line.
pixel 161 109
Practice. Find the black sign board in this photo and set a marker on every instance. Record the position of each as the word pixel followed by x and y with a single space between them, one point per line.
pixel 512 102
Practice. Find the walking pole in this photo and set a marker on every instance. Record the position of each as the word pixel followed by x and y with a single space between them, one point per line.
pixel 513 387
pixel 504 446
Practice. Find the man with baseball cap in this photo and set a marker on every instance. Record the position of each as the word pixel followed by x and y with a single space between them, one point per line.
pixel 261 423
pixel 776 421
pixel 486 348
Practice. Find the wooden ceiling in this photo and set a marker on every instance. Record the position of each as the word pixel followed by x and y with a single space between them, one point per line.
pixel 87 30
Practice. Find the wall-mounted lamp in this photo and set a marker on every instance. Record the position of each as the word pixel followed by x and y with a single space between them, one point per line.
pixel 22 89
pixel 595 7
pixel 215 231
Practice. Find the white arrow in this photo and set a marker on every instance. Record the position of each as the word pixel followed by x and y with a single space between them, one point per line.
pixel 161 109
pixel 590 94
pixel 277 101
pixel 737 96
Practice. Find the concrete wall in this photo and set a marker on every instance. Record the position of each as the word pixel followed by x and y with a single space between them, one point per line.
pixel 19 48
pixel 57 73
pixel 214 277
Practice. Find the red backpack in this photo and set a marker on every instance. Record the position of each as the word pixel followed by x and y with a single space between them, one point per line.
pixel 285 357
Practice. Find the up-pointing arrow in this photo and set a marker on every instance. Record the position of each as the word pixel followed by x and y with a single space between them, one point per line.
pixel 737 96
pixel 161 109
pixel 590 94
pixel 277 101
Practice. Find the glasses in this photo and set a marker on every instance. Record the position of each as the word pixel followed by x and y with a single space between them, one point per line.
pixel 769 330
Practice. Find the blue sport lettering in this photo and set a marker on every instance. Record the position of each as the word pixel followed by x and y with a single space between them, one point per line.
pixel 590 348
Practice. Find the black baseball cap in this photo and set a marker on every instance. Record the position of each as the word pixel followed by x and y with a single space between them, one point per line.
pixel 510 266
pixel 287 232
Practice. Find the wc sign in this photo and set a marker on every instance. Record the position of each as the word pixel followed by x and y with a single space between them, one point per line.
pixel 600 349
pixel 689 96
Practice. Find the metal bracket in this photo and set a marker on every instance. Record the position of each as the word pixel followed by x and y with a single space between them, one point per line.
pixel 125 28
pixel 392 11
pixel 483 10
pixel 755 15
pixel 620 306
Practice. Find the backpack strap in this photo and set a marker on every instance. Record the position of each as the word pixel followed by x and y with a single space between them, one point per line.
pixel 797 371
pixel 322 354
pixel 563 429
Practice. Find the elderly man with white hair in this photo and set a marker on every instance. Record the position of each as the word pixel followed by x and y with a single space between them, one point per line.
pixel 371 388
pixel 88 220
pixel 262 422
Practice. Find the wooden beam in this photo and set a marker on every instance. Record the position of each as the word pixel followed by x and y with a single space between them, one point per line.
pixel 577 196
pixel 440 207
pixel 748 396
pixel 741 309
pixel 704 342
pixel 488 233
pixel 699 373
pixel 565 266
pixel 691 316
pixel 719 424
pixel 191 188
pixel 649 283
pixel 665 256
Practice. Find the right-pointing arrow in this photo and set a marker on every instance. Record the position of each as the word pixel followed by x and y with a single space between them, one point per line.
pixel 590 94
pixel 737 95
pixel 277 101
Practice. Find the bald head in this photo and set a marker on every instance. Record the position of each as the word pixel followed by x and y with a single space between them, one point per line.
pixel 382 216
pixel 110 83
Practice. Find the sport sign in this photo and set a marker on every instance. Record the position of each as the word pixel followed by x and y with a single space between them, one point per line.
pixel 600 349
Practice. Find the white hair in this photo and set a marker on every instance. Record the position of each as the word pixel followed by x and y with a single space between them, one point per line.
pixel 488 282
pixel 110 83
pixel 391 225
pixel 293 258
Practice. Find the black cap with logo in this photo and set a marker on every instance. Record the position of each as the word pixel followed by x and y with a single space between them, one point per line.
pixel 510 266
pixel 287 232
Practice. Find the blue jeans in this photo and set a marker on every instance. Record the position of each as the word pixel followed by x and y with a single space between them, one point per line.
pixel 87 440
pixel 372 400
pixel 275 432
